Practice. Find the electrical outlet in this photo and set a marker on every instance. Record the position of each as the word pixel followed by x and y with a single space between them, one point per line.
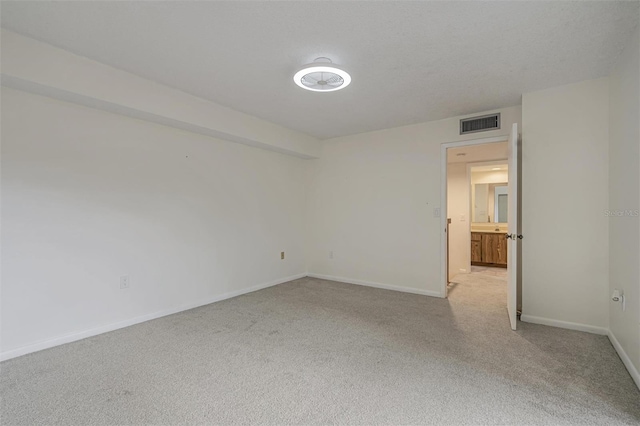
pixel 331 255
pixel 436 212
pixel 281 255
pixel 124 282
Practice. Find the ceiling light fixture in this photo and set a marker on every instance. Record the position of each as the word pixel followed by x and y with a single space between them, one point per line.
pixel 496 168
pixel 322 76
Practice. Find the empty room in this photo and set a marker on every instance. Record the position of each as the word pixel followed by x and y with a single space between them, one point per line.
pixel 320 212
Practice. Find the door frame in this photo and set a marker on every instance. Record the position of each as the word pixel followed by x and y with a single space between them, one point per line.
pixel 443 200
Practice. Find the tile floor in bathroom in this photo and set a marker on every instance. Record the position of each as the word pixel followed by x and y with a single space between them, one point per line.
pixel 487 270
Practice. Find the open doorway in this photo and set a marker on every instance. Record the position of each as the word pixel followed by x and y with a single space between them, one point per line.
pixel 480 219
pixel 477 206
pixel 488 212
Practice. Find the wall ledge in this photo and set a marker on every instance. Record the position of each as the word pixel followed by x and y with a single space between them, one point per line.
pixel 36 67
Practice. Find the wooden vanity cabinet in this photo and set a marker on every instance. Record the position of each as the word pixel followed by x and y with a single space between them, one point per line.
pixel 489 249
pixel 476 247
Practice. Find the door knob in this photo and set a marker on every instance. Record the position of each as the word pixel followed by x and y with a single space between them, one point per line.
pixel 513 236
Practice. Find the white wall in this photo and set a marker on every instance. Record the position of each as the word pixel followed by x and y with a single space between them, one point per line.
pixel 89 196
pixel 565 252
pixel 458 209
pixel 624 195
pixel 371 200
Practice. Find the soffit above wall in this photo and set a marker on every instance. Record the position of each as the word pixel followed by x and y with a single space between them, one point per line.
pixel 411 62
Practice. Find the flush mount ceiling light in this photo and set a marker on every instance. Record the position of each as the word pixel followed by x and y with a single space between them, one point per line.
pixel 322 76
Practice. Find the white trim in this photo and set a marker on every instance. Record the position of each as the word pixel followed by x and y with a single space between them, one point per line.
pixel 443 201
pixel 79 335
pixel 633 371
pixel 565 324
pixel 478 141
pixel 443 221
pixel 377 285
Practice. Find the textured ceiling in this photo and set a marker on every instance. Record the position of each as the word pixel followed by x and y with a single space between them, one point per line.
pixel 410 61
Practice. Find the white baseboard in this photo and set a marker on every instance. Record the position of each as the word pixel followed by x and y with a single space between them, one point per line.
pixel 633 371
pixel 565 324
pixel 72 337
pixel 377 285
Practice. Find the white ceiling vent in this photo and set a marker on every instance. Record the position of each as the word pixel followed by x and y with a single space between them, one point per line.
pixel 480 124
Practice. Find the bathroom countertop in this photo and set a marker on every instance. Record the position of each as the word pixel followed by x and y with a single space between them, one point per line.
pixel 489 228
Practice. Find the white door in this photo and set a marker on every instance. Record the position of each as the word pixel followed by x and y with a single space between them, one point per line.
pixel 512 258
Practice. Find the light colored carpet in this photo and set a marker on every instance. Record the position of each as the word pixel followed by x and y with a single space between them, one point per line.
pixel 317 352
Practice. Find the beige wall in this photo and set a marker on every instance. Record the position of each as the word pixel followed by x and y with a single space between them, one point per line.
pixel 565 252
pixel 371 199
pixel 624 195
pixel 88 196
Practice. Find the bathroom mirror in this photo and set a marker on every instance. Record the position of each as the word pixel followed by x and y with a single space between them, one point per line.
pixel 489 202
pixel 489 192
